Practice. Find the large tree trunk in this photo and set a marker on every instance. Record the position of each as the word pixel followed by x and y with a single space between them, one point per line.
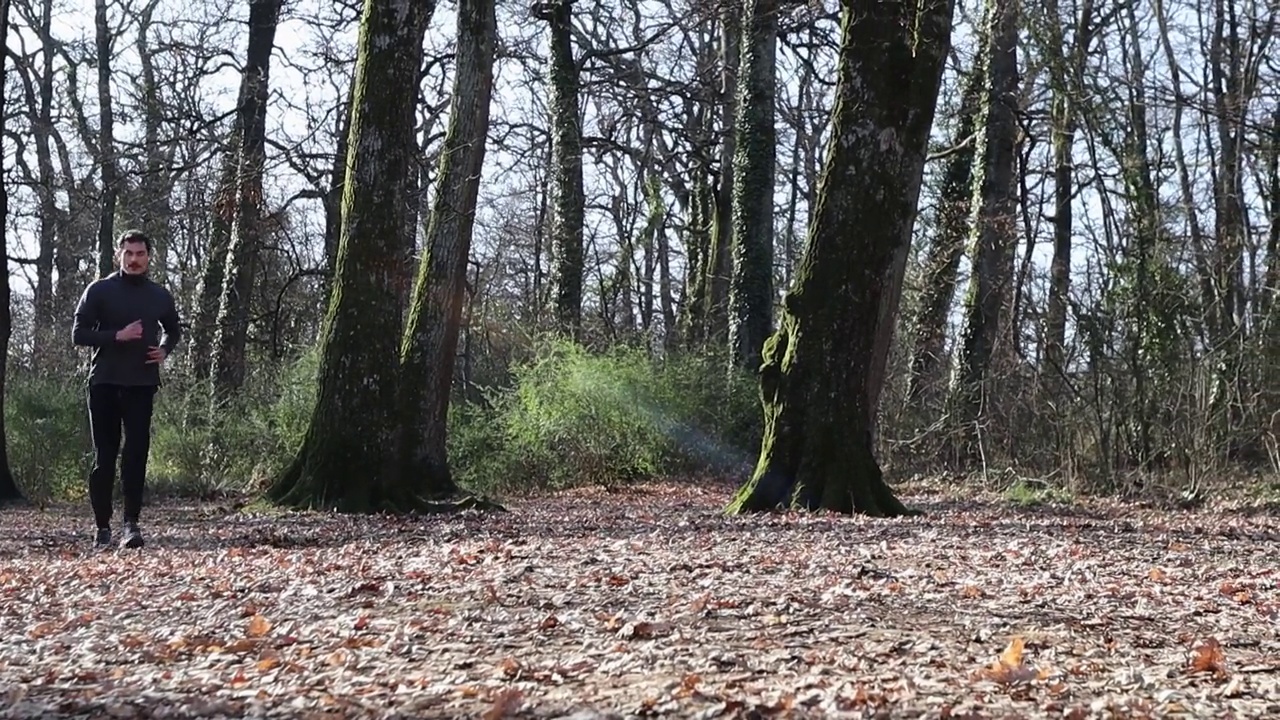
pixel 995 223
pixel 350 457
pixel 243 255
pixel 567 195
pixel 928 326
pixel 755 138
pixel 435 318
pixel 106 142
pixel 816 451
pixel 8 488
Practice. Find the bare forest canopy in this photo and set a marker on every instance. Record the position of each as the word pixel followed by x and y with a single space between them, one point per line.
pixel 1090 289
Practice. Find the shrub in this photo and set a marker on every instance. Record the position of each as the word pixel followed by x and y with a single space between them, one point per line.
pixel 47 425
pixel 574 417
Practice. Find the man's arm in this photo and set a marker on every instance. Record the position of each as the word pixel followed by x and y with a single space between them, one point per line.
pixel 172 325
pixel 84 327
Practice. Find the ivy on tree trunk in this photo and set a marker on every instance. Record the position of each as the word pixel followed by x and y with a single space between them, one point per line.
pixel 567 195
pixel 755 140
pixel 816 452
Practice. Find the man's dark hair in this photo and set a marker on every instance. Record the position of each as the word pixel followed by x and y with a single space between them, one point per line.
pixel 134 236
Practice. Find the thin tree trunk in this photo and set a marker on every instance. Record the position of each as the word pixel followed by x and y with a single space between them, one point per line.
pixel 995 222
pixel 1068 72
pixel 816 451
pixel 435 319
pixel 213 274
pixel 106 142
pixel 567 195
pixel 942 262
pixel 156 185
pixel 755 138
pixel 42 130
pixel 720 266
pixel 230 363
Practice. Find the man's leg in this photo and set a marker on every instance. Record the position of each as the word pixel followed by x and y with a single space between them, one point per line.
pixel 104 427
pixel 136 406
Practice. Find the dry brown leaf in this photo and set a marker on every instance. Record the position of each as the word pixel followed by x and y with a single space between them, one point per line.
pixel 731 615
pixel 505 704
pixel 1009 668
pixel 643 630
pixel 1208 657
pixel 510 667
pixel 258 626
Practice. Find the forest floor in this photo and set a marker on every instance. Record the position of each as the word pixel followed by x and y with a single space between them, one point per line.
pixel 647 602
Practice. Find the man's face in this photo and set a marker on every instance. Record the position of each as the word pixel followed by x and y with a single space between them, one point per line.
pixel 134 258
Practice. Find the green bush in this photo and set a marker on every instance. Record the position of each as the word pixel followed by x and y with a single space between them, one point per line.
pixel 574 417
pixel 194 452
pixel 47 427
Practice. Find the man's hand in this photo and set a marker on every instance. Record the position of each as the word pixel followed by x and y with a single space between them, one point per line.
pixel 156 355
pixel 132 331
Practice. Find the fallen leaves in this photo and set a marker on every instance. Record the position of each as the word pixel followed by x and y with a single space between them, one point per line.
pixel 593 605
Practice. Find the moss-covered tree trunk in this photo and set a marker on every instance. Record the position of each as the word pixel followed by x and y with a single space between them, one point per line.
pixel 350 458
pixel 816 452
pixel 8 488
pixel 719 264
pixel 435 317
pixel 995 226
pixel 209 291
pixel 567 194
pixel 243 254
pixel 928 325
pixel 755 139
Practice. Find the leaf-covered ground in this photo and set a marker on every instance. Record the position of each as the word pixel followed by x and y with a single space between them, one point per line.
pixel 646 603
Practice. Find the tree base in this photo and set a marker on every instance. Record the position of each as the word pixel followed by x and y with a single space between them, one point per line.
pixel 302 487
pixel 852 484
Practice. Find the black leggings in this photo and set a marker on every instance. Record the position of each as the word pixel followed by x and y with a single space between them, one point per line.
pixel 111 408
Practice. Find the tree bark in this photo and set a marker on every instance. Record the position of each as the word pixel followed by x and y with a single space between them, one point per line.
pixel 567 195
pixel 213 274
pixel 42 129
pixel 106 143
pixel 435 318
pixel 995 220
pixel 816 451
pixel 350 456
pixel 230 364
pixel 9 491
pixel 719 264
pixel 942 262
pixel 156 185
pixel 1067 71
pixel 755 139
